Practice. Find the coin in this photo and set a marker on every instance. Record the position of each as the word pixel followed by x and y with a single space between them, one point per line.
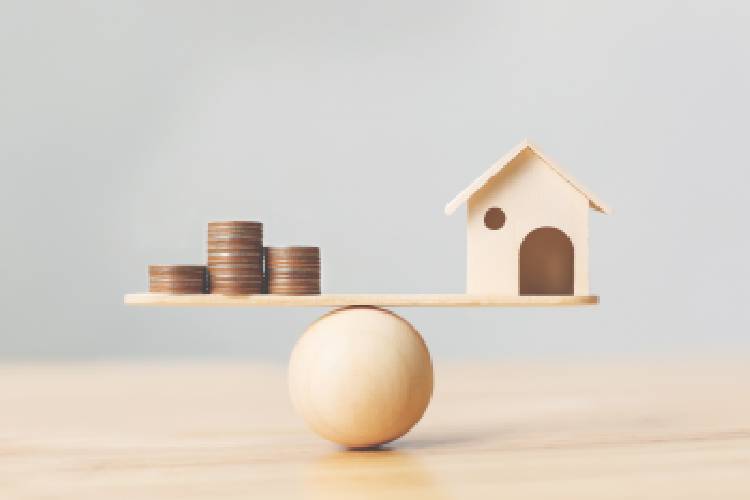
pixel 235 255
pixel 233 244
pixel 233 235
pixel 292 263
pixel 296 289
pixel 188 283
pixel 301 260
pixel 292 277
pixel 291 267
pixel 292 270
pixel 277 288
pixel 293 250
pixel 234 260
pixel 275 252
pixel 165 277
pixel 234 267
pixel 176 270
pixel 177 275
pixel 176 278
pixel 186 289
pixel 291 257
pixel 216 284
pixel 249 232
pixel 235 224
pixel 293 284
pixel 175 267
pixel 176 289
pixel 293 280
pixel 235 231
pixel 233 281
pixel 178 282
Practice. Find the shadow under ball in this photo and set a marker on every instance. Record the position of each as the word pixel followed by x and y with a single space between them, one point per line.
pixel 360 376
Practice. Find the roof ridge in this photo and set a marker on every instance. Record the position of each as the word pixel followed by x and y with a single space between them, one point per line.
pixel 500 164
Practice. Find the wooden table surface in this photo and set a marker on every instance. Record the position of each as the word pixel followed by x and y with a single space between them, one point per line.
pixel 648 429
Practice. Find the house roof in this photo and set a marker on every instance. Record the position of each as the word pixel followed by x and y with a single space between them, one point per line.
pixel 500 164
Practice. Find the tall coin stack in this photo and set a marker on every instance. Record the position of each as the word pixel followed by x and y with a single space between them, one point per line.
pixel 176 279
pixel 235 257
pixel 293 270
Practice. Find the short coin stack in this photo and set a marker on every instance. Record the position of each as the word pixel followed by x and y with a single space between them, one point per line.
pixel 176 279
pixel 293 270
pixel 235 253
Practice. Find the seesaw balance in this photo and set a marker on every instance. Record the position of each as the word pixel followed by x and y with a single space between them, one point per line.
pixel 358 299
pixel 362 375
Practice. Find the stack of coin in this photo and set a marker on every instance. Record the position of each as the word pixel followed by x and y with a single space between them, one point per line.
pixel 293 270
pixel 235 257
pixel 177 279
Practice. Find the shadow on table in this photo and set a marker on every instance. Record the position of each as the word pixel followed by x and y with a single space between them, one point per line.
pixel 455 440
pixel 370 474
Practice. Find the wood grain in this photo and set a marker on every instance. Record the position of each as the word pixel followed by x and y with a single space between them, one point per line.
pixel 677 429
pixel 358 299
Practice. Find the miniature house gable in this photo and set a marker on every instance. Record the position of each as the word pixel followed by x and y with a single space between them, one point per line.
pixel 527 228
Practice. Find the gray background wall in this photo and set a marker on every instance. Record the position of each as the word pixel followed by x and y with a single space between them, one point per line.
pixel 125 126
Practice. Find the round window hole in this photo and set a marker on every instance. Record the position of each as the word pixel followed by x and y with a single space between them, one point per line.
pixel 494 218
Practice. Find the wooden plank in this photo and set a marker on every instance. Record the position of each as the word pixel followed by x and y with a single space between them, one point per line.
pixel 358 299
pixel 517 430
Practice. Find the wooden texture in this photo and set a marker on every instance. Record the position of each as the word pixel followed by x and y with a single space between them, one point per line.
pixel 614 430
pixel 360 376
pixel 508 158
pixel 357 299
pixel 533 196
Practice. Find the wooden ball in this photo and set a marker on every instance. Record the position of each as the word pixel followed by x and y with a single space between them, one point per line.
pixel 360 376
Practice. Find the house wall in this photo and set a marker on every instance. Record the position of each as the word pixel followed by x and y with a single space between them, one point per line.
pixel 532 195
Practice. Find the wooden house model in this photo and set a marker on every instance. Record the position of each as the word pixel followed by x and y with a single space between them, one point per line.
pixel 527 227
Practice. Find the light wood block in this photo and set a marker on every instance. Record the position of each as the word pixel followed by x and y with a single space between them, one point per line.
pixel 540 243
pixel 193 431
pixel 357 299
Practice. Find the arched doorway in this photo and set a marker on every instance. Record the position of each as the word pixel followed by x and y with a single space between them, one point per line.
pixel 545 263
